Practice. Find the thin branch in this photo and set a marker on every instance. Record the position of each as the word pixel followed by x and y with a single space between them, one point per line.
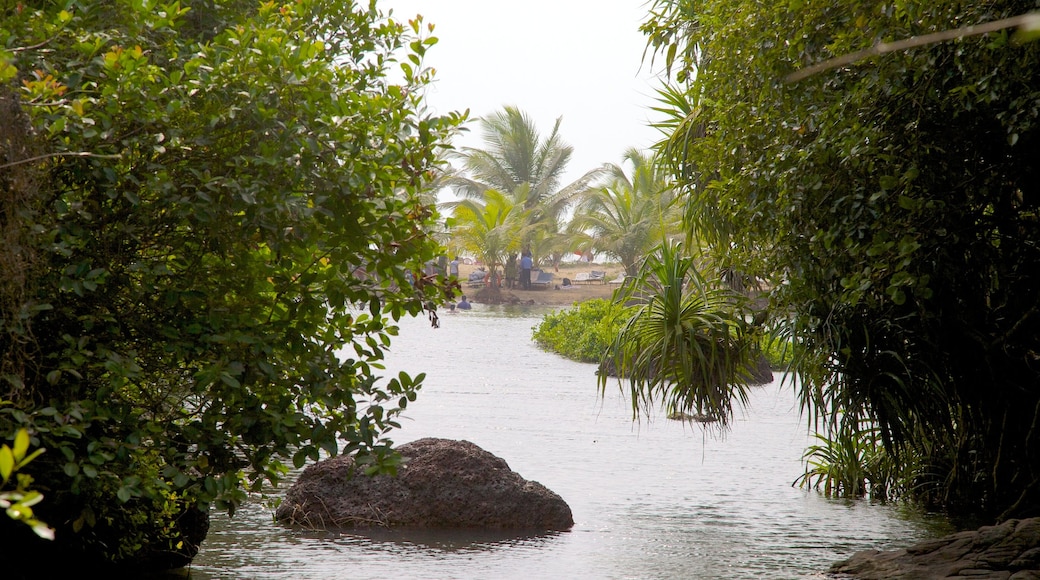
pixel 69 154
pixel 38 45
pixel 1030 20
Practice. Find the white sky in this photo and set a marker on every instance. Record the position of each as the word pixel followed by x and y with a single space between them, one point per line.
pixel 576 59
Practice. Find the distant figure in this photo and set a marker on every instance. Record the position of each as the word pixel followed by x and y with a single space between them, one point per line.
pixel 453 268
pixel 510 269
pixel 525 270
pixel 430 269
pixel 464 304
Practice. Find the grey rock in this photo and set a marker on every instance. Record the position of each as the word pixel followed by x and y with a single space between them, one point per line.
pixel 443 484
pixel 1010 550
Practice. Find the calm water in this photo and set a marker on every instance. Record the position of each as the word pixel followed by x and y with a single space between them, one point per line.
pixel 651 499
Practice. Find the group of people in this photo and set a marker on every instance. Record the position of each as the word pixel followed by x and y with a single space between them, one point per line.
pixel 513 266
pixel 525 265
pixel 441 265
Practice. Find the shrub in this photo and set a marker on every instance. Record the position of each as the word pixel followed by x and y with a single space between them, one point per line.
pixel 582 332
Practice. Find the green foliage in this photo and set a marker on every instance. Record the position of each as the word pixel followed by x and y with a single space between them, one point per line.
pixel 210 218
pixel 894 206
pixel 855 463
pixel 524 167
pixel 684 344
pixel 18 502
pixel 778 350
pixel 489 228
pixel 582 332
pixel 629 216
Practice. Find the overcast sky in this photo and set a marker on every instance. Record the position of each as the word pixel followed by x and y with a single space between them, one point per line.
pixel 576 59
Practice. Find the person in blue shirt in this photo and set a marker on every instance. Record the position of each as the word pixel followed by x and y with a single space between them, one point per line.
pixel 463 304
pixel 525 270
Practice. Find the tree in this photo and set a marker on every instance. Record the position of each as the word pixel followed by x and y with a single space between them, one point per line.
pixel 684 343
pixel 628 216
pixel 490 229
pixel 895 204
pixel 518 162
pixel 210 216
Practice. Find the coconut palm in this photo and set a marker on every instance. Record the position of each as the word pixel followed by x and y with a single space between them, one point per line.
pixel 629 215
pixel 489 229
pixel 685 344
pixel 516 161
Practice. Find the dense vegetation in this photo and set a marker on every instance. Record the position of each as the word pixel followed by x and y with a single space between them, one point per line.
pixel 583 332
pixel 210 223
pixel 512 199
pixel 893 205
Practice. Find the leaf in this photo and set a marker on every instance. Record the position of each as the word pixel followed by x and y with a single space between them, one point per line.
pixel 30 457
pixel 6 463
pixel 42 530
pixel 21 444
pixel 229 380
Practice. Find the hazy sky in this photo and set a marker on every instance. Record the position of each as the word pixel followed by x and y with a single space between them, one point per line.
pixel 576 59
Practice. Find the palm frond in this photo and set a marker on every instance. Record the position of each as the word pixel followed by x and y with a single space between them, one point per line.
pixel 686 345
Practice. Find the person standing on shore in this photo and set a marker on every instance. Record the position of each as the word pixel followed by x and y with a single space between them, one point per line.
pixel 525 270
pixel 510 270
pixel 453 268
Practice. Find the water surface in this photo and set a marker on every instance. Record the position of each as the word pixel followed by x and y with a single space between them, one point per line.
pixel 651 499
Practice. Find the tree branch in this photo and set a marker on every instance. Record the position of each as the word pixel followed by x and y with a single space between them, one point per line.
pixel 1030 21
pixel 68 154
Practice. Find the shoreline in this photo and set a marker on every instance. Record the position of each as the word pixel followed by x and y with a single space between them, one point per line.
pixel 551 296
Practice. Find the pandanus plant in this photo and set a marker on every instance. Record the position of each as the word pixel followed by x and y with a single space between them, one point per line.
pixel 687 344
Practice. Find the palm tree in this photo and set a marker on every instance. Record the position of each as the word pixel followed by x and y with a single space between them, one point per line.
pixel 629 215
pixel 489 229
pixel 685 344
pixel 519 163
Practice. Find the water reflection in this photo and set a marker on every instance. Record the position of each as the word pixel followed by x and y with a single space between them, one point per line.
pixel 411 541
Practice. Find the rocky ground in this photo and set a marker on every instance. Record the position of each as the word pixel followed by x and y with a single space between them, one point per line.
pixel 1009 551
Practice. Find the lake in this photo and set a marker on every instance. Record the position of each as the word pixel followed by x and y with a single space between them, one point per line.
pixel 652 498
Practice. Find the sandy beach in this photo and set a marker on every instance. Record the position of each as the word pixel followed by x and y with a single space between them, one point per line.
pixel 556 294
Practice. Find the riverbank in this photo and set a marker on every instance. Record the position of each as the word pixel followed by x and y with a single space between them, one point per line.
pixel 556 294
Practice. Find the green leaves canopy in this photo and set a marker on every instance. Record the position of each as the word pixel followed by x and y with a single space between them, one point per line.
pixel 519 163
pixel 895 204
pixel 218 214
pixel 628 216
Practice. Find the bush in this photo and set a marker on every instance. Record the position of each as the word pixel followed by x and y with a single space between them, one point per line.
pixel 582 332
pixel 779 351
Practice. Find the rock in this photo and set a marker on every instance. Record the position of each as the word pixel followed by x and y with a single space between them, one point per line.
pixel 1009 550
pixel 496 296
pixel 444 484
pixel 762 373
pixel 691 417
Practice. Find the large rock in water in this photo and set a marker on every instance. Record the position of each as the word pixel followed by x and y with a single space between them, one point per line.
pixel 1010 551
pixel 444 483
